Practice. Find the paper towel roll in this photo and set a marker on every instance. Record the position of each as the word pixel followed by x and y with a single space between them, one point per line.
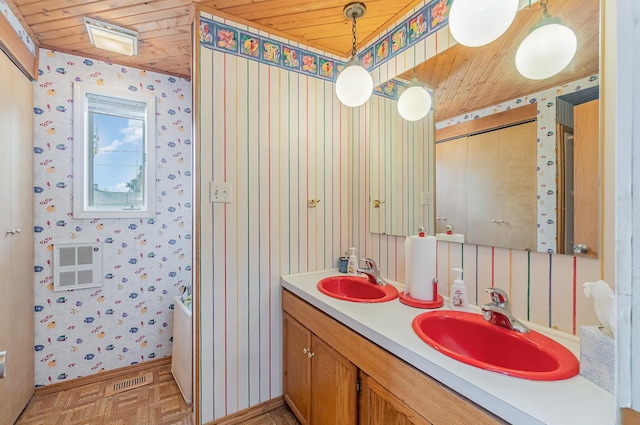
pixel 420 266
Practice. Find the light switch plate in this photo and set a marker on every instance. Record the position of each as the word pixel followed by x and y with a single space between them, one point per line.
pixel 220 192
pixel 425 198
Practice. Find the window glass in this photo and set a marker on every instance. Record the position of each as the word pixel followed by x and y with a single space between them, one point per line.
pixel 113 166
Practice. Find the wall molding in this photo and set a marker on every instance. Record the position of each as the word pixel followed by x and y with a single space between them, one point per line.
pixel 250 412
pixel 103 376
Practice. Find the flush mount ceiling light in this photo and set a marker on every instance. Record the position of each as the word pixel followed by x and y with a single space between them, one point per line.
pixel 415 101
pixel 475 23
pixel 354 84
pixel 113 38
pixel 548 49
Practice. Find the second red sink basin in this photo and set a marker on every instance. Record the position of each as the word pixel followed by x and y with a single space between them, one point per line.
pixel 469 338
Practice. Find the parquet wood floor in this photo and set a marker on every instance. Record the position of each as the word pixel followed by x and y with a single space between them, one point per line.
pixel 159 403
pixel 279 416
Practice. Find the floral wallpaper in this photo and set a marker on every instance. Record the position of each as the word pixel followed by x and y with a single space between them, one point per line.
pixel 546 149
pixel 147 262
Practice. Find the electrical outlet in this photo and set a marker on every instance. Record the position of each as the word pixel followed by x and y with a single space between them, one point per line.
pixel 220 192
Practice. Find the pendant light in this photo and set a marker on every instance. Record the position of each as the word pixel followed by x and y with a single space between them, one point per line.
pixel 415 101
pixel 475 23
pixel 354 84
pixel 548 49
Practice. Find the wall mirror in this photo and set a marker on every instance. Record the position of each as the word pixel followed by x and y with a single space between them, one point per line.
pixel 465 80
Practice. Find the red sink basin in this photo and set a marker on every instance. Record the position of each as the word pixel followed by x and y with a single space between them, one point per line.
pixel 356 289
pixel 469 338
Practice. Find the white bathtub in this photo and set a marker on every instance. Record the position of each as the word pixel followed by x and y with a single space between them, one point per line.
pixel 181 357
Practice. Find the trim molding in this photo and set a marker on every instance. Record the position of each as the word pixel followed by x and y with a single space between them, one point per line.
pixel 630 416
pixel 510 117
pixel 101 376
pixel 250 412
pixel 17 51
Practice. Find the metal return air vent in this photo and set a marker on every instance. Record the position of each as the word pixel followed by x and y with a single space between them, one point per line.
pixel 77 266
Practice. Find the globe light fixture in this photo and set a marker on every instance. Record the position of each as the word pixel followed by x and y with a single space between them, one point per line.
pixel 475 23
pixel 548 49
pixel 354 84
pixel 415 101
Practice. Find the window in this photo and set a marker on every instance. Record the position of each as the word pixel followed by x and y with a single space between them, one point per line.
pixel 114 147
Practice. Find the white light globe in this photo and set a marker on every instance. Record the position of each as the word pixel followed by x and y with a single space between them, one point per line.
pixel 354 84
pixel 414 102
pixel 475 23
pixel 546 51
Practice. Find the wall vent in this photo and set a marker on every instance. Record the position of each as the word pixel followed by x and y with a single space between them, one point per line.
pixel 77 266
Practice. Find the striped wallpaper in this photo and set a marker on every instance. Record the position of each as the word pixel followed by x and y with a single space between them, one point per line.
pixel 281 138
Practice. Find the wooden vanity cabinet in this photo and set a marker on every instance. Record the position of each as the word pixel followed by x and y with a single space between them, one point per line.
pixel 321 388
pixel 377 406
pixel 319 383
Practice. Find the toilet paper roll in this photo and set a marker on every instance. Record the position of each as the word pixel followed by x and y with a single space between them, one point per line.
pixel 420 266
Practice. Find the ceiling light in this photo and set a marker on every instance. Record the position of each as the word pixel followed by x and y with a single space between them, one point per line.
pixel 354 84
pixel 548 49
pixel 415 101
pixel 113 38
pixel 475 23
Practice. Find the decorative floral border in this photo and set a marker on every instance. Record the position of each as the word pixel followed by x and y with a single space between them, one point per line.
pixel 429 19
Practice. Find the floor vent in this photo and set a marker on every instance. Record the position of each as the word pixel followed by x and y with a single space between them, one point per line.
pixel 116 387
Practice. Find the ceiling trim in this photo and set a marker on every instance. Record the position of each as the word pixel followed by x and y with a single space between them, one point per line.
pixel 17 51
pixel 390 24
pixel 260 27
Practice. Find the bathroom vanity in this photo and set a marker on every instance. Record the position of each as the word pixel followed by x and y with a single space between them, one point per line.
pixel 362 363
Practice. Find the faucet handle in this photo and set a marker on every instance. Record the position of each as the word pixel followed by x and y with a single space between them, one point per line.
pixel 497 295
pixel 371 264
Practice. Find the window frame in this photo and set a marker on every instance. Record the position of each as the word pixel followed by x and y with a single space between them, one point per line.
pixel 82 167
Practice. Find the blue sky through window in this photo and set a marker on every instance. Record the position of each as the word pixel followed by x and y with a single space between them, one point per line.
pixel 119 153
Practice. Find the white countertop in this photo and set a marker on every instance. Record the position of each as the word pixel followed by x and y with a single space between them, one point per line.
pixel 574 401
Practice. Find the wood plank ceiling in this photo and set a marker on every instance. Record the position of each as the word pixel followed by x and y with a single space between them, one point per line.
pixel 466 79
pixel 463 79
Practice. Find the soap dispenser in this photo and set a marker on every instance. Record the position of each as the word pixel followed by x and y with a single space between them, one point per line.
pixel 352 265
pixel 458 300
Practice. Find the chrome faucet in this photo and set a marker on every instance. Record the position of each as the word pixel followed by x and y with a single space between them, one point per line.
pixel 372 271
pixel 499 313
pixel 499 298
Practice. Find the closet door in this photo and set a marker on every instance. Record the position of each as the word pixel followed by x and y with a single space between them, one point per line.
pixel 517 185
pixel 501 188
pixel 483 188
pixel 451 185
pixel 16 246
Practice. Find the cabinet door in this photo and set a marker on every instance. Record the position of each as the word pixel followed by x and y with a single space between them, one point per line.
pixel 451 185
pixel 297 368
pixel 379 407
pixel 333 386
